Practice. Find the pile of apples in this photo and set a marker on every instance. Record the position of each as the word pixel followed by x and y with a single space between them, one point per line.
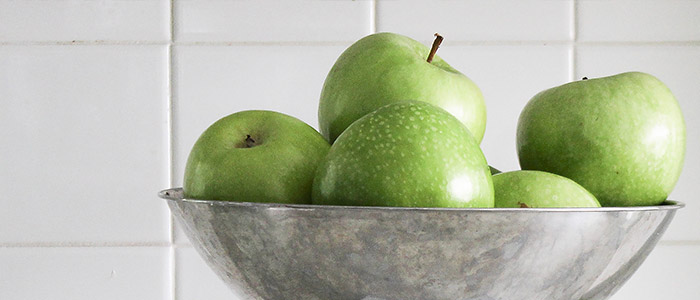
pixel 400 127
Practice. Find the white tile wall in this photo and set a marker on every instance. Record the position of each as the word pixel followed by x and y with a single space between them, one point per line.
pixel 271 21
pixel 100 102
pixel 478 20
pixel 84 143
pixel 670 272
pixel 70 273
pixel 85 21
pixel 195 280
pixel 638 21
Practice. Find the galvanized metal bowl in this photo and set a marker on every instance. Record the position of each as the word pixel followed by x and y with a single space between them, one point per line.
pixel 275 251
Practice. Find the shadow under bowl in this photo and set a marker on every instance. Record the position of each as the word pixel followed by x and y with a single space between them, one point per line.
pixel 279 251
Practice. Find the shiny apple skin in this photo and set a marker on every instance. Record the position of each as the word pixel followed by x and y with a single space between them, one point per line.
pixel 410 154
pixel 387 67
pixel 621 137
pixel 277 164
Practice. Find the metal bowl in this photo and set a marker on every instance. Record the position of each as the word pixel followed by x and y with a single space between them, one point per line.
pixel 276 251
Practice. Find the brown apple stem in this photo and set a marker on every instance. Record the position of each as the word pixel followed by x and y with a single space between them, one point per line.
pixel 436 45
pixel 249 142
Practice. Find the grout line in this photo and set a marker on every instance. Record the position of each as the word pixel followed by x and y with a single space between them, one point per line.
pixel 172 21
pixel 171 150
pixel 373 17
pixel 171 92
pixel 345 43
pixel 572 62
pixel 84 244
pixel 573 57
pixel 680 243
pixel 173 274
pixel 506 43
pixel 573 13
pixel 173 43
pixel 637 43
pixel 263 43
pixel 84 43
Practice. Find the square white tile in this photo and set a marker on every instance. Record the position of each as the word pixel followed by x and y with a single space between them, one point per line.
pixel 215 81
pixel 195 280
pixel 79 20
pixel 478 20
pixel 508 77
pixel 679 68
pixel 85 273
pixel 632 20
pixel 670 272
pixel 271 21
pixel 85 144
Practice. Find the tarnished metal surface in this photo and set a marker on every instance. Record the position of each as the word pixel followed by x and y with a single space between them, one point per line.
pixel 271 251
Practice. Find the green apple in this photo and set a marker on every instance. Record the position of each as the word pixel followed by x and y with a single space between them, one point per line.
pixel 539 189
pixel 409 154
pixel 494 171
pixel 621 137
pixel 385 68
pixel 255 156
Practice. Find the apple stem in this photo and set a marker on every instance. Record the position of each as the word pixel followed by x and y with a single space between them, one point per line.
pixel 436 45
pixel 249 142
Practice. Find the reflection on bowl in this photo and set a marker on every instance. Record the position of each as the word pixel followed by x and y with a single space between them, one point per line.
pixel 276 251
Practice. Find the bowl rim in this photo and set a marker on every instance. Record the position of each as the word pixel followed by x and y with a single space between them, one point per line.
pixel 177 195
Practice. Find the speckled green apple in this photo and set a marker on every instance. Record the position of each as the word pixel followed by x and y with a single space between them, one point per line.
pixel 410 154
pixel 621 137
pixel 533 189
pixel 385 68
pixel 255 156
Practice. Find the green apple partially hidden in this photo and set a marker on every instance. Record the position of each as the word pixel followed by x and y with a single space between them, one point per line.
pixel 539 189
pixel 255 156
pixel 385 68
pixel 621 137
pixel 405 154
